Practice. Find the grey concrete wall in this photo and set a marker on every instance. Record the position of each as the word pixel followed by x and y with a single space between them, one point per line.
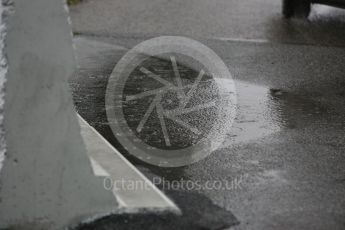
pixel 46 181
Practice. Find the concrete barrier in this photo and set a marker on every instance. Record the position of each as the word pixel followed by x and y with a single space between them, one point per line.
pixel 52 163
pixel 46 180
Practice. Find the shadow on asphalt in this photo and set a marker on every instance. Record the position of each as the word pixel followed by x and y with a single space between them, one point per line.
pixel 206 216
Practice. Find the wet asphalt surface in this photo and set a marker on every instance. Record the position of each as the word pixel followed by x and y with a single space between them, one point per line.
pixel 286 146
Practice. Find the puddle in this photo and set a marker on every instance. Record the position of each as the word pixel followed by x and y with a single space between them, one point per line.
pixel 255 117
pixel 263 111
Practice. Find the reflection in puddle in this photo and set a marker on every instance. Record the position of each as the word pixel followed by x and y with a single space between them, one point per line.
pixel 263 111
pixel 255 117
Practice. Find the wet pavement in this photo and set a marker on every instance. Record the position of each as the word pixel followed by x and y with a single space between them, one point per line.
pixel 286 146
pixel 258 20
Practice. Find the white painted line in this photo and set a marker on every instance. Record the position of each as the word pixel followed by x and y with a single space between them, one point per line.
pixel 106 160
pixel 241 40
